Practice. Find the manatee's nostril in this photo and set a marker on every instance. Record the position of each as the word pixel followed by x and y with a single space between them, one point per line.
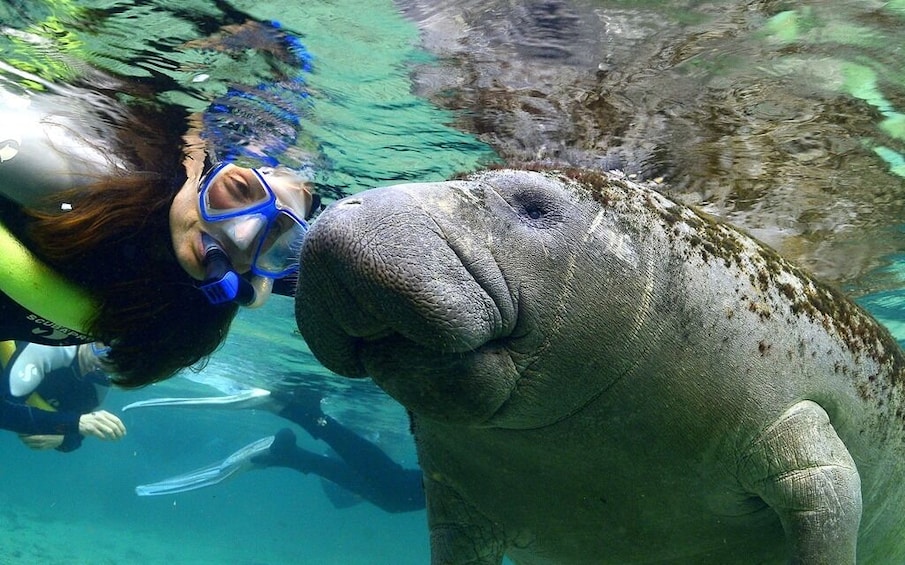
pixel 349 202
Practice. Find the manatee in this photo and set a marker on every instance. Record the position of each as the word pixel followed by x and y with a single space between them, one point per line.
pixel 598 374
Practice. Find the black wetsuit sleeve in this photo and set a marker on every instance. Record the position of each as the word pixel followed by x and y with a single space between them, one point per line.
pixel 24 419
pixel 71 442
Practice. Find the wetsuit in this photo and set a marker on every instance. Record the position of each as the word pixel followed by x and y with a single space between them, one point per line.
pixel 49 142
pixel 45 392
pixel 19 323
pixel 361 468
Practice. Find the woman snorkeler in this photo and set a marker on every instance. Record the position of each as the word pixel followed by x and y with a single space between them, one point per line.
pixel 118 227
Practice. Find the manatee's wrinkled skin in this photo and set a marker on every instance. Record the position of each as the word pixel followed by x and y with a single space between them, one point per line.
pixel 599 375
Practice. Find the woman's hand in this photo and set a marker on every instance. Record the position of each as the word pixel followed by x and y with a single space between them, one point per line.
pixel 101 424
pixel 41 441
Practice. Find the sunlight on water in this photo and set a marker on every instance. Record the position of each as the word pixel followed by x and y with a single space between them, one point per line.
pixel 371 128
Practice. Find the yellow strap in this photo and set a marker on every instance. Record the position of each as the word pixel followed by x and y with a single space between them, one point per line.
pixel 39 288
pixel 35 400
pixel 7 349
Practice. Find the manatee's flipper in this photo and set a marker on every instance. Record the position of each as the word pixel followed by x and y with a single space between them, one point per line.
pixel 459 533
pixel 803 471
pixel 249 398
pixel 236 463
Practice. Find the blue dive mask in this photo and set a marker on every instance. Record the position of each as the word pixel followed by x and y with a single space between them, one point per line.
pixel 95 362
pixel 244 214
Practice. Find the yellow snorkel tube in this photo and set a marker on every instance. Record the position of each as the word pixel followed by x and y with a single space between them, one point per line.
pixel 40 289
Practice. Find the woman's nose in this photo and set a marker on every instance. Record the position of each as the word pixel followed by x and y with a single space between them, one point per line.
pixel 244 231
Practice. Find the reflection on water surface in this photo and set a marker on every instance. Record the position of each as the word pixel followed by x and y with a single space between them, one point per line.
pixel 788 119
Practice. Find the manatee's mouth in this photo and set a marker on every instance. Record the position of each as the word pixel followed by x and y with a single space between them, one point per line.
pixel 412 299
pixel 474 308
pixel 380 271
pixel 493 320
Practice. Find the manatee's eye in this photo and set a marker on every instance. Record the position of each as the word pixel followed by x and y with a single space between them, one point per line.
pixel 536 207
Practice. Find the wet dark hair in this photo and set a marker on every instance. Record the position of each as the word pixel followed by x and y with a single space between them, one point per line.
pixel 115 242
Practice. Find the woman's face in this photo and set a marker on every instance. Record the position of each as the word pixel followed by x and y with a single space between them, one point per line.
pixel 187 225
pixel 89 360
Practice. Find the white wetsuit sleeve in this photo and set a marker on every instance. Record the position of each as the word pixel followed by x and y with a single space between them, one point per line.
pixel 34 362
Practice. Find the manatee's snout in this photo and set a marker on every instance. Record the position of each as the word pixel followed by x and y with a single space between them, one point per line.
pixel 396 268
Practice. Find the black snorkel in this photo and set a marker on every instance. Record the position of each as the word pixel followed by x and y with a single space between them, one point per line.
pixel 221 283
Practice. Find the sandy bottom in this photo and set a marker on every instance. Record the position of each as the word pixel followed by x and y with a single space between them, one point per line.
pixel 30 538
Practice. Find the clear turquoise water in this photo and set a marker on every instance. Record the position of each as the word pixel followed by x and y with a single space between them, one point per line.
pixel 80 508
pixel 371 128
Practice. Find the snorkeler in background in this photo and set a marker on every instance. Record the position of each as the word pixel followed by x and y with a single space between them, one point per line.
pixel 50 395
pixel 359 467
pixel 141 225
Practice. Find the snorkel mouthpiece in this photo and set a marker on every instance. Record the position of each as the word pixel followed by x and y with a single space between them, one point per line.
pixel 221 283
